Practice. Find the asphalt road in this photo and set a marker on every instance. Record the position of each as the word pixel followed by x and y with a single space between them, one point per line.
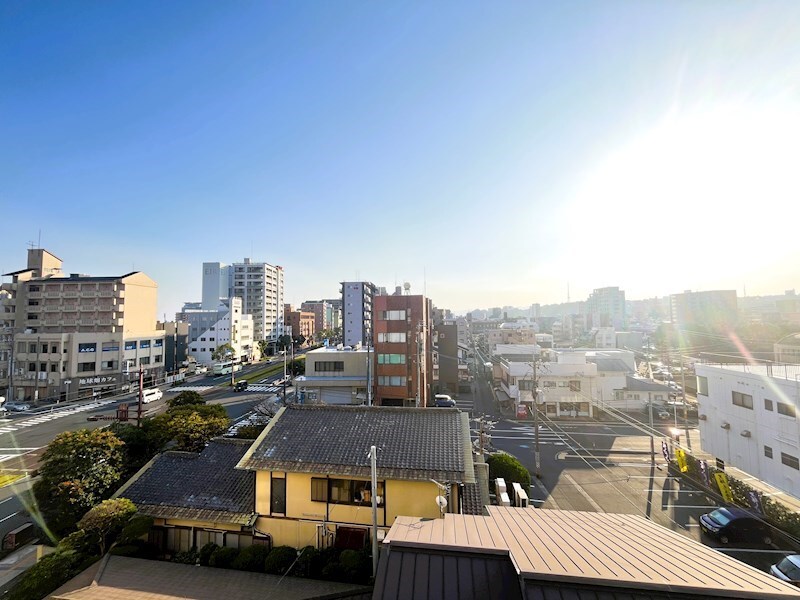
pixel 606 467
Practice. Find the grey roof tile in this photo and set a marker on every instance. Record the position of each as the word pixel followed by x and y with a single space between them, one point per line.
pixel 203 486
pixel 413 443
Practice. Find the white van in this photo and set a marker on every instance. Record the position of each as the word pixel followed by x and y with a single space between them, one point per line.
pixel 152 395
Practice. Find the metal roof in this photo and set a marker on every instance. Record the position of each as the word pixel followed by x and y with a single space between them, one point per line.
pixel 637 384
pixel 413 443
pixel 624 552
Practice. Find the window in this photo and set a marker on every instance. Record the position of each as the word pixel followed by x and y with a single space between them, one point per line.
pixel 43 367
pixel 33 303
pixel 391 359
pixel 32 367
pixel 391 380
pixel 767 451
pixel 786 409
pixel 790 461
pixel 702 385
pixel 574 386
pixel 144 344
pixel 350 491
pixel 144 360
pixel 743 400
pixel 31 348
pixel 130 345
pixel 85 366
pixel 319 489
pixel 549 384
pixel 108 365
pixel 32 316
pixel 158 358
pixel 392 338
pixel 393 315
pixel 159 343
pixel 33 288
pixel 54 367
pixel 202 339
pixel 87 348
pixel 767 404
pixel 44 348
pixel 277 495
pixel 329 365
pixel 53 349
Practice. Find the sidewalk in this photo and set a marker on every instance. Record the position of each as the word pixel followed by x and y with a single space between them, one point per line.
pixel 19 561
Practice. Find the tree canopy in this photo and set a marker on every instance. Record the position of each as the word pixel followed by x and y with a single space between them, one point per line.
pixel 186 398
pixel 222 352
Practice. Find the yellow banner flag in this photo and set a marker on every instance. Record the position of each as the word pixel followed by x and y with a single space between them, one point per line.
pixel 680 456
pixel 724 486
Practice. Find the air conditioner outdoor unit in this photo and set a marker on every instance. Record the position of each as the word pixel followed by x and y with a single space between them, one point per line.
pixel 503 500
pixel 746 433
pixel 500 485
pixel 702 417
pixel 726 425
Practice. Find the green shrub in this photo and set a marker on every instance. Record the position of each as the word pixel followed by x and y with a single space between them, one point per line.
pixel 252 558
pixel 136 549
pixel 279 560
pixel 309 563
pixel 223 558
pixel 509 468
pixel 206 551
pixel 186 558
pixel 137 526
pixel 81 542
pixel 49 573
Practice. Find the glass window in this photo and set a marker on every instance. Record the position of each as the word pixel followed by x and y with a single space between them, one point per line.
pixel 391 359
pixel 788 568
pixel 159 343
pixel 53 349
pixel 767 404
pixel 786 409
pixel 319 489
pixel 144 360
pixel 130 345
pixel 392 338
pixel 393 315
pixel 574 386
pixel 767 451
pixel 87 348
pixel 743 400
pixel 790 461
pixel 144 344
pixel 278 495
pixel 31 348
pixel 702 385
pixel 85 366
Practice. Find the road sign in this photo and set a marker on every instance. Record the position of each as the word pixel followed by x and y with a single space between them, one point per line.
pixel 665 450
pixel 522 412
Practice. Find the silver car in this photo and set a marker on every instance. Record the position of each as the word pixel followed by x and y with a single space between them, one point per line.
pixel 788 569
pixel 17 406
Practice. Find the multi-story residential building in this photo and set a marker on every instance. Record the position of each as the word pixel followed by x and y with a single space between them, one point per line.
pixel 335 376
pixel 210 329
pixel 748 418
pixel 606 307
pixel 300 322
pixel 604 337
pixel 76 335
pixel 357 312
pixel 260 287
pixel 334 312
pixel 446 335
pixel 403 350
pixel 717 309
pixel 322 313
pixel 519 332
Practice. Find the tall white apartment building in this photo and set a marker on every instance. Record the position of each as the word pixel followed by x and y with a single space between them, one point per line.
pixel 258 284
pixel 210 329
pixel 357 298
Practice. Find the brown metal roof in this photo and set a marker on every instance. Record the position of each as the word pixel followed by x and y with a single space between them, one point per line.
pixel 607 549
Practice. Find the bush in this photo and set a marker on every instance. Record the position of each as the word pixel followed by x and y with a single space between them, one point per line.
pixel 206 551
pixel 279 560
pixel 81 542
pixel 309 563
pixel 49 573
pixel 222 558
pixel 509 468
pixel 137 549
pixel 187 398
pixel 186 558
pixel 137 526
pixel 252 558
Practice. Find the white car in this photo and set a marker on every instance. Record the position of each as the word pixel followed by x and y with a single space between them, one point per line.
pixel 788 569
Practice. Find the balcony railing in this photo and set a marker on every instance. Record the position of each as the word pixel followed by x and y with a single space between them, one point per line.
pixel 71 294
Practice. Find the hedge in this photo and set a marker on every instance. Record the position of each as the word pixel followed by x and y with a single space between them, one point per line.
pixel 509 468
pixel 280 560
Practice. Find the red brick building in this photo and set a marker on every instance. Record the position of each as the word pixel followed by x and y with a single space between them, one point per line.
pixel 403 363
pixel 301 322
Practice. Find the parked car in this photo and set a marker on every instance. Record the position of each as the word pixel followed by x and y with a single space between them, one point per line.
pixel 443 401
pixel 788 569
pixel 17 406
pixel 734 524
pixel 240 386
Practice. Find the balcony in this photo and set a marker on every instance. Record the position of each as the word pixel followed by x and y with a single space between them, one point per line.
pixel 71 294
pixel 106 293
pixel 52 294
pixel 87 307
pixel 69 322
pixel 87 322
pixel 55 308
pixel 34 294
pixel 88 293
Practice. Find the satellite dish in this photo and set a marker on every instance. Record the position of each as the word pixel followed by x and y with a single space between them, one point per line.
pixel 406 286
pixel 441 502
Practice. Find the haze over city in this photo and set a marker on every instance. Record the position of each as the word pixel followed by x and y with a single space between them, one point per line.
pixel 490 154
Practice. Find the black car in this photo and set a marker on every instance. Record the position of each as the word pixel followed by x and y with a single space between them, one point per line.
pixel 240 386
pixel 733 524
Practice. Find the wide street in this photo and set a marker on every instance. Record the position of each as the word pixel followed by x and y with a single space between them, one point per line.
pixel 606 466
pixel 24 435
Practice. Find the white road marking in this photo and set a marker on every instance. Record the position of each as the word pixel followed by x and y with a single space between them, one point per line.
pixel 9 516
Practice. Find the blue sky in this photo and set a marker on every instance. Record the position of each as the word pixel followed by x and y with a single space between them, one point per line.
pixel 490 152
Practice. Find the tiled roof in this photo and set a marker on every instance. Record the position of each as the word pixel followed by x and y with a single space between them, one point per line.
pixel 413 443
pixel 203 487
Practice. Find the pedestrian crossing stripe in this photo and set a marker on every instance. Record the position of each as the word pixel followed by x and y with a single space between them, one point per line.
pixel 191 388
pixel 56 414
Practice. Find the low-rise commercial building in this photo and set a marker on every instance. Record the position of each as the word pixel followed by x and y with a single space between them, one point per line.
pixel 335 376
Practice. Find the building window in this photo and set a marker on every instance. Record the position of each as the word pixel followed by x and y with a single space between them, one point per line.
pixel 767 451
pixel 790 461
pixel 319 489
pixel 574 386
pixel 391 359
pixel 144 344
pixel 31 348
pixel 108 365
pixel 87 348
pixel 391 380
pixel 702 385
pixel 130 345
pixel 393 315
pixel 44 348
pixel 329 365
pixel 85 367
pixel 743 400
pixel 54 349
pixel 767 404
pixel 144 360
pixel 32 367
pixel 350 491
pixel 43 367
pixel 159 343
pixel 549 384
pixel 392 338
pixel 277 495
pixel 32 316
pixel 786 409
pixel 54 367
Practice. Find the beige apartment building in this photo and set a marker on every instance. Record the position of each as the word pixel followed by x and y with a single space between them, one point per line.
pixel 70 336
pixel 335 376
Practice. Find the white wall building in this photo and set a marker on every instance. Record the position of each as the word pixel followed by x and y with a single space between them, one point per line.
pixel 748 418
pixel 605 337
pixel 210 329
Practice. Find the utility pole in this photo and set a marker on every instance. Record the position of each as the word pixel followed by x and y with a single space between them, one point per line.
pixel 535 392
pixel 141 394
pixel 419 363
pixel 652 440
pixel 369 376
pixel 373 463
pixel 685 407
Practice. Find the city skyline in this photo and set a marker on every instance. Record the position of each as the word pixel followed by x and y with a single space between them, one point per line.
pixel 488 155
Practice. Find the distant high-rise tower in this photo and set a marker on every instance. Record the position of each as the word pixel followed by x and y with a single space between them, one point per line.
pixel 357 299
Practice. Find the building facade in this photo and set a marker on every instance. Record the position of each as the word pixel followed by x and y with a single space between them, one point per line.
pixel 403 350
pixel 299 322
pixel 210 329
pixel 322 313
pixel 335 376
pixel 75 336
pixel 748 418
pixel 717 309
pixel 606 307
pixel 357 312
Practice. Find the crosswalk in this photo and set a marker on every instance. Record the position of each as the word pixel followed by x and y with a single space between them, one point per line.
pixel 527 433
pixel 9 426
pixel 253 387
pixel 191 388
pixel 263 387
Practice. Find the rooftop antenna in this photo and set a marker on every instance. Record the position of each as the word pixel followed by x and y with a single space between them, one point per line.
pixel 406 287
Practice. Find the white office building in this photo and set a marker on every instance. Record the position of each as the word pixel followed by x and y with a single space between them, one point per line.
pixel 259 285
pixel 748 418
pixel 210 329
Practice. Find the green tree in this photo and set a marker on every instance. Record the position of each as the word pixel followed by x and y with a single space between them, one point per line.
pixel 77 470
pixel 297 367
pixel 192 426
pixel 284 342
pixel 300 340
pixel 107 519
pixel 138 446
pixel 222 352
pixel 186 398
pixel 509 468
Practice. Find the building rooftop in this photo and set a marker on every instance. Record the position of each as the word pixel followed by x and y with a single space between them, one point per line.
pixel 188 485
pixel 639 384
pixel 572 554
pixel 776 370
pixel 609 364
pixel 413 443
